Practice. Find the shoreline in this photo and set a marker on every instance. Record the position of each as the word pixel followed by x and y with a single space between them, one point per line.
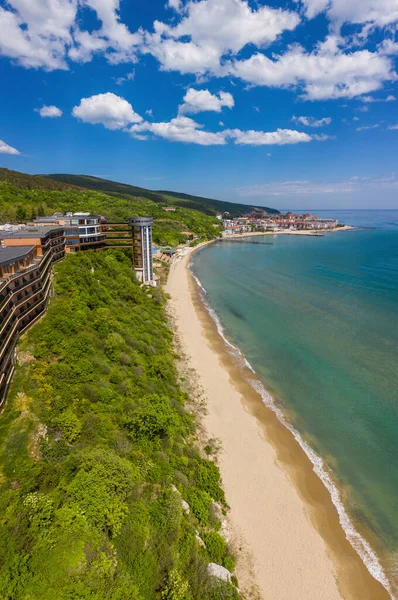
pixel 309 232
pixel 280 509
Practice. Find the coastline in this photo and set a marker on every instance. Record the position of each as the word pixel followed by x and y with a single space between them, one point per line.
pixel 280 510
pixel 311 232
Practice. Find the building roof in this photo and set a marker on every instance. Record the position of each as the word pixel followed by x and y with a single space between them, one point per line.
pixel 31 232
pixel 52 219
pixel 10 254
pixel 59 216
pixel 140 220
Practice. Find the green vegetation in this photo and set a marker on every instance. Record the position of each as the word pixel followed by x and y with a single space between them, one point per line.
pixel 206 205
pixel 21 201
pixel 97 452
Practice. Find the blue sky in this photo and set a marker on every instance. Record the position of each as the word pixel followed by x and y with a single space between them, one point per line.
pixel 287 104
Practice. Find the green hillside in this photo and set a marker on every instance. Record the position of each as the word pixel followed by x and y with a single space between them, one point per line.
pixel 23 197
pixel 98 453
pixel 206 205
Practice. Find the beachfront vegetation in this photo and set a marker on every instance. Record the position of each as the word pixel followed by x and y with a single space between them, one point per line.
pixel 97 453
pixel 24 197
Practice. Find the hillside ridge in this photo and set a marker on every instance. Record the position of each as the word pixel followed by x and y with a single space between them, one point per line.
pixel 24 197
pixel 209 206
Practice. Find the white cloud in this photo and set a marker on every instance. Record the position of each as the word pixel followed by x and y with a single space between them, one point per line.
pixel 86 45
pixel 356 119
pixel 6 149
pixel 204 38
pixel 185 129
pixel 304 188
pixel 128 77
pixel 181 129
pixel 112 111
pixel 185 57
pixel 392 127
pixel 322 137
pixel 174 4
pixel 49 111
pixel 45 33
pixel 312 122
pixel 371 99
pixel 121 42
pixel 37 32
pixel 279 137
pixel 231 24
pixel 149 112
pixel 377 13
pixel 325 73
pixel 366 127
pixel 268 154
pixel 215 28
pixel 388 47
pixel 196 101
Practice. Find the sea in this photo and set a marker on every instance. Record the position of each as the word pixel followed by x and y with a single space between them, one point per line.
pixel 316 319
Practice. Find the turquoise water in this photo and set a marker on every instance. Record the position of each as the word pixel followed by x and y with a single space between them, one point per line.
pixel 317 319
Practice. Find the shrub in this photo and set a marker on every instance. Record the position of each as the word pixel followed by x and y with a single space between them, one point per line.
pixel 176 588
pixel 69 425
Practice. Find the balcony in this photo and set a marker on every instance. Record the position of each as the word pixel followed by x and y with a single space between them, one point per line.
pixel 5 343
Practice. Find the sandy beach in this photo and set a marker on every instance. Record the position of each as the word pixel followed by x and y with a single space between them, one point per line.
pixel 281 515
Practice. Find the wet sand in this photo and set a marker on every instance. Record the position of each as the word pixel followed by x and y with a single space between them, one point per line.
pixel 280 511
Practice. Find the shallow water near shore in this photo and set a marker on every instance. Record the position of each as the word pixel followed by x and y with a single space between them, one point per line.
pixel 316 319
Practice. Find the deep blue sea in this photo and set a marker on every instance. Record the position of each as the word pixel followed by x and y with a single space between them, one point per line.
pixel 317 319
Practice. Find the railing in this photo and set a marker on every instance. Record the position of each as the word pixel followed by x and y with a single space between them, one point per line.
pixel 21 303
pixel 42 289
pixel 32 307
pixel 5 301
pixel 38 315
pixel 6 321
pixel 37 264
pixel 32 281
pixel 5 343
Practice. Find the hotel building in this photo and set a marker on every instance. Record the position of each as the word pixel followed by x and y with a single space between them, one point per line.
pixel 82 230
pixel 26 258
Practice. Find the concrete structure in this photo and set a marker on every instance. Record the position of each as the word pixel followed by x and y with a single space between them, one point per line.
pixel 83 231
pixel 141 232
pixel 44 239
pixel 26 259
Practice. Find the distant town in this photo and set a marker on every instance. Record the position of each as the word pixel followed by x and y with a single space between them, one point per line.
pixel 262 222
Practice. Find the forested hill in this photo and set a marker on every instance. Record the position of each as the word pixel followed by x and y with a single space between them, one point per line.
pixel 23 197
pixel 207 205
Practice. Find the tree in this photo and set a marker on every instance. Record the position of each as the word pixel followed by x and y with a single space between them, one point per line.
pixel 20 214
pixel 33 215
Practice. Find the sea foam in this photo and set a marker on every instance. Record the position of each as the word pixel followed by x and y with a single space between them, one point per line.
pixel 359 544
